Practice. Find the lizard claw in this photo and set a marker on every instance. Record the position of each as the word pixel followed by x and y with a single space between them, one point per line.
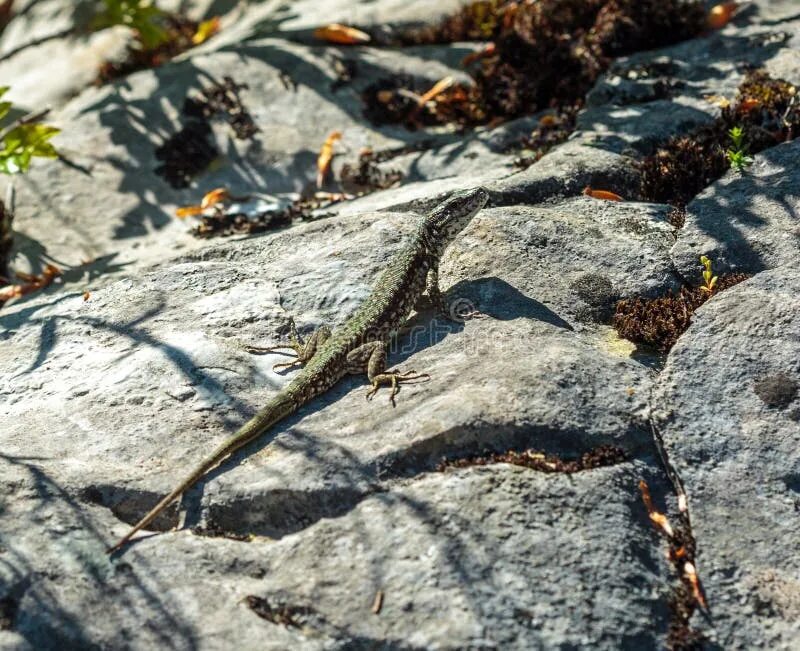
pixel 475 314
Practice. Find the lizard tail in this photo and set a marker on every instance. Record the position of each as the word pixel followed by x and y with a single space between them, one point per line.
pixel 277 409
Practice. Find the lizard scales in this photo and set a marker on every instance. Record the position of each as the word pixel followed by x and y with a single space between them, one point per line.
pixel 358 345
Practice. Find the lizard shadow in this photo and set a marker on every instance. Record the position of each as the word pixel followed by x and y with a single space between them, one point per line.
pixel 490 296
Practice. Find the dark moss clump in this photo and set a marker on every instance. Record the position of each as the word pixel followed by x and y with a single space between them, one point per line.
pixel 676 217
pixel 604 455
pixel 186 154
pixel 367 176
pixel 552 130
pixel 477 21
pixel 221 223
pixel 190 151
pixel 659 322
pixel 398 99
pixel 683 167
pixel 767 110
pixel 286 615
pixel 547 53
pixel 223 99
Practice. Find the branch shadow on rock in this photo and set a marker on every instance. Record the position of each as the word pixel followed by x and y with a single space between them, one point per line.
pixel 45 611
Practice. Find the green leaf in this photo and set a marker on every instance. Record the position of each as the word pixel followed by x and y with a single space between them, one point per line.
pixel 23 143
pixel 139 15
pixel 5 107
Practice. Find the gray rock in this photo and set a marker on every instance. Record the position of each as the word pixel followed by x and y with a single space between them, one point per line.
pixel 110 202
pixel 554 561
pixel 731 422
pixel 538 372
pixel 48 55
pixel 745 222
pixel 105 402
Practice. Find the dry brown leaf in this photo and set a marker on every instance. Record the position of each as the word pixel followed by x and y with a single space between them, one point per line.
pixel 601 194
pixel 30 283
pixel 697 592
pixel 486 51
pixel 658 519
pixel 749 104
pixel 209 199
pixel 439 87
pixel 206 30
pixel 721 14
pixel 377 604
pixel 341 34
pixel 214 197
pixel 326 156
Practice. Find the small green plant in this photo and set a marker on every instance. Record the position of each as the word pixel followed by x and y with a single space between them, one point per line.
pixel 23 139
pixel 142 16
pixel 709 279
pixel 737 154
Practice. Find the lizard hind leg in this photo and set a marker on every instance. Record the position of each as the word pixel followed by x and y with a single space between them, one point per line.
pixel 303 350
pixel 371 357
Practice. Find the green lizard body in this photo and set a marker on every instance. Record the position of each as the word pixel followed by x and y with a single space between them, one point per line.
pixel 358 345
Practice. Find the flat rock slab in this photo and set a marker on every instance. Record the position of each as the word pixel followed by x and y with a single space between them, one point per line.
pixel 144 378
pixel 745 222
pixel 730 412
pixel 177 384
pixel 554 561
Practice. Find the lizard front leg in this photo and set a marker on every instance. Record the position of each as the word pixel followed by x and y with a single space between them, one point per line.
pixel 434 293
pixel 303 350
pixel 436 296
pixel 371 358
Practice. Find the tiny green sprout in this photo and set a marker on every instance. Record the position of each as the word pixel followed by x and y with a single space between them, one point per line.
pixel 737 154
pixel 737 137
pixel 709 279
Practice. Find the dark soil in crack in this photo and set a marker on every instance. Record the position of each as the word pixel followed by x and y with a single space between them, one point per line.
pixel 599 457
pixel 687 594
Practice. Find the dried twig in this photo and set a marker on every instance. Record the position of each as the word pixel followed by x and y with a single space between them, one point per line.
pixel 33 116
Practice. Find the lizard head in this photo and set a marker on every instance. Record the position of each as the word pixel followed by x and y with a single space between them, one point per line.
pixel 450 217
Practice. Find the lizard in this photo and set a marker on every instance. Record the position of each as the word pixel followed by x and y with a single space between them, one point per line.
pixel 359 345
